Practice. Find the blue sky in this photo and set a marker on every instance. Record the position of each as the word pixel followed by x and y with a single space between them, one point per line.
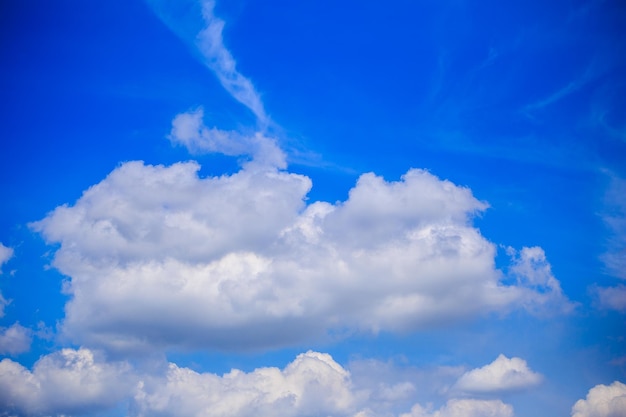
pixel 285 208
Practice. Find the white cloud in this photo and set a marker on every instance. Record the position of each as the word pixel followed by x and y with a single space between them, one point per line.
pixel 221 62
pixel 613 298
pixel 188 129
pixel 602 401
pixel 503 374
pixel 465 408
pixel 158 256
pixel 313 384
pixel 79 382
pixel 533 272
pixel 6 253
pixel 69 381
pixel 614 216
pixel 15 339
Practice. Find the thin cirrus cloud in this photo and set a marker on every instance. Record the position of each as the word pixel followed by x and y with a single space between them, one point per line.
pixel 614 259
pixel 503 374
pixel 180 16
pixel 158 256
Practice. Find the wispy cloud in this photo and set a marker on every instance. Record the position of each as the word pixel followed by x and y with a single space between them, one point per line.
pixel 202 31
pixel 189 130
pixel 221 62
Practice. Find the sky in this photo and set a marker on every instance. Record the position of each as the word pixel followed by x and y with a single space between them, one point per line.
pixel 302 209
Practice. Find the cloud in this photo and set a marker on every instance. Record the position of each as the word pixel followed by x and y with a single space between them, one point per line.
pixel 503 374
pixel 80 382
pixel 602 401
pixel 612 298
pixel 6 253
pixel 531 269
pixel 158 256
pixel 221 62
pixel 614 216
pixel 465 408
pixel 70 381
pixel 313 384
pixel 15 339
pixel 188 130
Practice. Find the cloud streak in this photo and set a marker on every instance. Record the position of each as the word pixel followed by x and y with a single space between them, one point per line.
pixel 221 62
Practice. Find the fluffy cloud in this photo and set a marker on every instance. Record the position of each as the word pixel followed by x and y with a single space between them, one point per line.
pixel 188 130
pixel 531 269
pixel 69 381
pixel 158 256
pixel 15 339
pixel 465 408
pixel 313 384
pixel 78 382
pixel 503 374
pixel 602 401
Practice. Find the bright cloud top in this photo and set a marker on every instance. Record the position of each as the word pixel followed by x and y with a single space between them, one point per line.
pixel 79 382
pixel 158 256
pixel 503 374
pixel 313 384
pixel 602 401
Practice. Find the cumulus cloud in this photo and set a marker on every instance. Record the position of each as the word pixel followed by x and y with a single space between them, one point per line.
pixel 602 401
pixel 465 408
pixel 79 382
pixel 15 339
pixel 313 384
pixel 158 256
pixel 189 130
pixel 503 374
pixel 70 381
pixel 531 269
